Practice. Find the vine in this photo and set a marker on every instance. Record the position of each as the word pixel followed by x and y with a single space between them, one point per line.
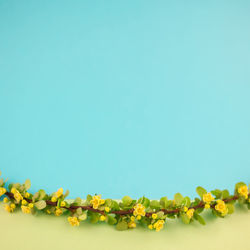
pixel 128 212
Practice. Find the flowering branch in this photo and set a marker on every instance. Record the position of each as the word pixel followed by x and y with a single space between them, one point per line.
pixel 127 213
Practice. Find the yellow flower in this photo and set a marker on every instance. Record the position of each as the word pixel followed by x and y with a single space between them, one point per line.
pixel 107 209
pixel 158 225
pixel 59 192
pixel 221 207
pixel 48 211
pixel 5 200
pixel 207 198
pixel 102 218
pixel 2 191
pixel 190 213
pixel 131 224
pixel 63 204
pixel 185 209
pixel 13 206
pixel 138 217
pixel 73 221
pixel 207 206
pixel 24 202
pixel 27 195
pixel 243 191
pixel 150 226
pixel 18 197
pixel 154 216
pixel 139 209
pixel 31 205
pixel 13 190
pixel 132 218
pixel 8 208
pixel 97 201
pixel 58 212
pixel 26 209
pixel 53 199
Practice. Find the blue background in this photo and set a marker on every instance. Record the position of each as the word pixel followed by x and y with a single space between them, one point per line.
pixel 125 97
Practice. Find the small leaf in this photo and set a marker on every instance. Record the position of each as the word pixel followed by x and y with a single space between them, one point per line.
pixel 217 193
pixel 178 198
pixel 78 201
pixel 225 194
pixel 163 201
pixel 199 218
pixel 122 225
pixel 200 191
pixel 40 204
pixel 27 184
pixel 185 218
pixel 111 220
pixel 127 200
pixel 154 204
pixel 230 208
pixel 79 211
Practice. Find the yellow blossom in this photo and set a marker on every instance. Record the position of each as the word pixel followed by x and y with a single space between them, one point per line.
pixel 150 226
pixel 107 209
pixel 73 221
pixel 221 207
pixel 8 208
pixel 13 190
pixel 132 218
pixel 2 191
pixel 59 192
pixel 31 205
pixel 243 191
pixel 18 197
pixel 158 225
pixel 185 209
pixel 5 200
pixel 53 199
pixel 97 201
pixel 102 218
pixel 63 204
pixel 24 202
pixel 27 195
pixel 138 217
pixel 13 206
pixel 131 224
pixel 190 213
pixel 139 209
pixel 26 209
pixel 154 216
pixel 58 212
pixel 207 206
pixel 207 198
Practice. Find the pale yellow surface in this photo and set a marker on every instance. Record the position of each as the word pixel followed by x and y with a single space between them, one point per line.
pixel 26 232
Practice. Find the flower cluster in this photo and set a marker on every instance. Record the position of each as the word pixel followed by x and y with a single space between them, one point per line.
pixel 127 213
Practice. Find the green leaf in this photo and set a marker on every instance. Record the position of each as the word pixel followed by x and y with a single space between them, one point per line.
pixel 27 184
pixel 186 201
pixel 42 194
pixel 79 211
pixel 83 216
pixel 122 225
pixel 225 194
pixel 127 200
pixel 94 217
pixel 40 204
pixel 217 193
pixel 185 218
pixel 115 205
pixel 230 208
pixel 146 202
pixel 160 214
pixel 78 201
pixel 111 220
pixel 154 204
pixel 199 218
pixel 178 198
pixel 163 201
pixel 88 199
pixel 200 191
